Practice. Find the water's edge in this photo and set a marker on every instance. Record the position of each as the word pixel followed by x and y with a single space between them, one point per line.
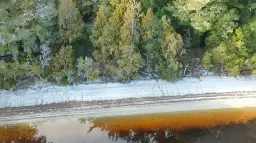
pixel 43 94
pixel 129 107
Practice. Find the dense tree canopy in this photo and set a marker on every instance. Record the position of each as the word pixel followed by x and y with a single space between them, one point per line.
pixel 70 41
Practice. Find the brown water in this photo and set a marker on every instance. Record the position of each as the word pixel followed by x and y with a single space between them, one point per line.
pixel 209 126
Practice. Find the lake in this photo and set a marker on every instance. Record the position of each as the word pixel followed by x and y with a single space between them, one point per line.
pixel 207 126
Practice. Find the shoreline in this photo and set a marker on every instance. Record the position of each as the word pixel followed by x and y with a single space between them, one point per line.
pixel 130 106
pixel 47 101
pixel 43 94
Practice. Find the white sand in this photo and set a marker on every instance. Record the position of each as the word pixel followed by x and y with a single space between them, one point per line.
pixel 48 93
pixel 76 113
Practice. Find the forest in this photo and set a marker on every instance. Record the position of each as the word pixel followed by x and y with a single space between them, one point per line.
pixel 74 41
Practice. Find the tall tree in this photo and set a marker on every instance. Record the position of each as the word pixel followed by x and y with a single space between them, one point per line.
pixel 87 68
pixel 105 37
pixel 150 34
pixel 15 27
pixel 10 72
pixel 47 27
pixel 172 49
pixel 63 64
pixel 70 21
pixel 214 17
pixel 229 55
pixel 131 60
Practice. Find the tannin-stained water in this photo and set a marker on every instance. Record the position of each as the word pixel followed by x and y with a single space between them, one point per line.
pixel 208 126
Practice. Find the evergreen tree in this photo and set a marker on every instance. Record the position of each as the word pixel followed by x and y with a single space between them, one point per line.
pixel 62 64
pixel 109 50
pixel 17 18
pixel 70 21
pixel 223 28
pixel 98 41
pixel 86 7
pixel 252 65
pixel 131 60
pixel 10 72
pixel 106 33
pixel 126 37
pixel 99 23
pixel 229 55
pixel 213 16
pixel 249 30
pixel 151 32
pixel 235 55
pixel 172 49
pixel 87 68
pixel 25 24
pixel 247 10
pixel 47 27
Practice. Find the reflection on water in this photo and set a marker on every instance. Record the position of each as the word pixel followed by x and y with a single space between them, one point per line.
pixel 20 133
pixel 221 126
pixel 226 125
